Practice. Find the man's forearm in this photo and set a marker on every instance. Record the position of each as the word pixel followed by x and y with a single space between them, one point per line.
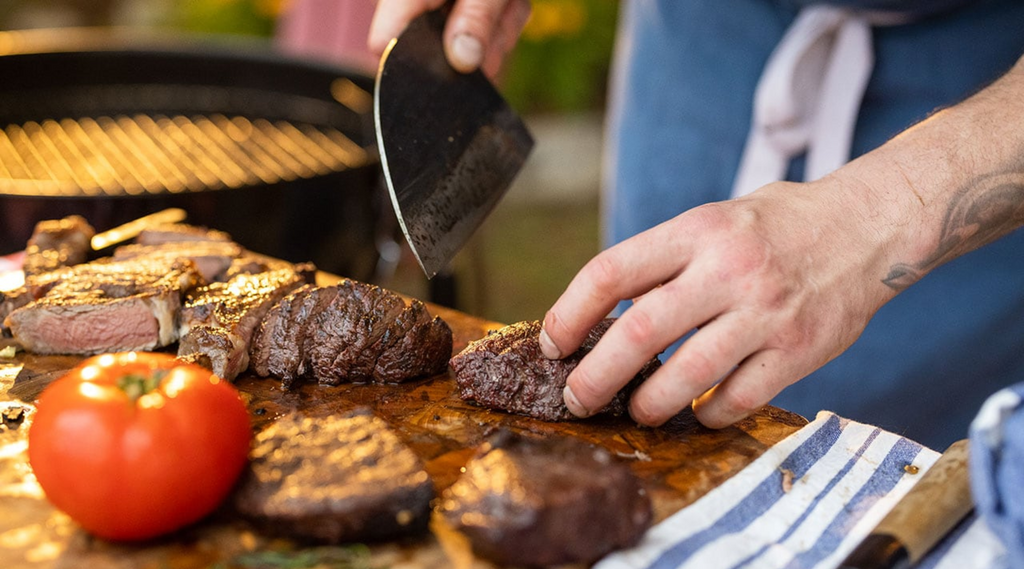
pixel 948 185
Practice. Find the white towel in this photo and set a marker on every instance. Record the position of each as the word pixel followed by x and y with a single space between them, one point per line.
pixel 806 503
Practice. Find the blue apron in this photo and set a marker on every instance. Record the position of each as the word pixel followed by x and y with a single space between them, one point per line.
pixel 680 110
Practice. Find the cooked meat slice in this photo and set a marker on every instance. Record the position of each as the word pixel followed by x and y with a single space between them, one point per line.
pixel 179 233
pixel 277 346
pixel 351 331
pixel 218 319
pixel 104 306
pixel 507 371
pixel 58 243
pixel 344 340
pixel 415 345
pixel 546 502
pixel 212 258
pixel 339 480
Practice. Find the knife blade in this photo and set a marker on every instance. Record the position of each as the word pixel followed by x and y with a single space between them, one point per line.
pixel 926 514
pixel 449 144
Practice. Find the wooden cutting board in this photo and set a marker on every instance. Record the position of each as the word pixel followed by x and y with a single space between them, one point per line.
pixel 677 463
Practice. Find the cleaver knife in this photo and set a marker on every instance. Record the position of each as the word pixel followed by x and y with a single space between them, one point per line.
pixel 449 144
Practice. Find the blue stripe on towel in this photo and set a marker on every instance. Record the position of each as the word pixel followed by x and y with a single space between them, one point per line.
pixel 882 481
pixel 758 501
pixel 809 508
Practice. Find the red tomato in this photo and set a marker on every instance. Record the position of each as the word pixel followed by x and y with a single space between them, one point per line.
pixel 134 445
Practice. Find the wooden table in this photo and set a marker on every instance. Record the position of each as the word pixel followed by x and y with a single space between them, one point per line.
pixel 678 463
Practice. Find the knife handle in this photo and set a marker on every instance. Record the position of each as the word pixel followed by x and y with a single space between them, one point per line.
pixel 922 518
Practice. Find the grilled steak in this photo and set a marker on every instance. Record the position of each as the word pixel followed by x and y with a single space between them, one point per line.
pixel 351 331
pixel 546 502
pixel 339 480
pixel 277 347
pixel 506 370
pixel 212 258
pixel 179 233
pixel 103 306
pixel 58 243
pixel 218 320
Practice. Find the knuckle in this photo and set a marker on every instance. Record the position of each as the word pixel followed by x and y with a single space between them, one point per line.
pixel 698 368
pixel 603 273
pixel 637 327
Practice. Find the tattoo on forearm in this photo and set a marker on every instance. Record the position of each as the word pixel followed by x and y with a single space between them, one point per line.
pixel 979 213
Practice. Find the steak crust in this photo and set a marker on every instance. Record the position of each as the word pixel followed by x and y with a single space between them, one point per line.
pixel 527 502
pixel 343 480
pixel 506 370
pixel 350 332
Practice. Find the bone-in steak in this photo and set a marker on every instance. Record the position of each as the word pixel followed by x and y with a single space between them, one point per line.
pixel 104 306
pixel 351 331
pixel 339 480
pixel 218 319
pixel 544 502
pixel 506 370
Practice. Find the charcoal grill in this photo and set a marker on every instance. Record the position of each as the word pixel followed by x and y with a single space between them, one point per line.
pixel 115 124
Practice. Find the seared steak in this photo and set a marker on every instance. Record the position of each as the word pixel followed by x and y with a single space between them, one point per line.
pixel 218 320
pixel 546 502
pixel 345 479
pixel 506 370
pixel 179 233
pixel 212 258
pixel 351 331
pixel 277 347
pixel 58 243
pixel 103 306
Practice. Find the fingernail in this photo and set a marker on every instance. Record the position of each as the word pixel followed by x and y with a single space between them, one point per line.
pixel 467 52
pixel 547 347
pixel 574 404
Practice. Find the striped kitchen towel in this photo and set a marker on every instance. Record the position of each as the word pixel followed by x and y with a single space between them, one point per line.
pixel 806 503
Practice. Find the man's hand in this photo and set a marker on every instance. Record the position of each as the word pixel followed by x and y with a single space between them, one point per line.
pixel 772 283
pixel 780 282
pixel 479 33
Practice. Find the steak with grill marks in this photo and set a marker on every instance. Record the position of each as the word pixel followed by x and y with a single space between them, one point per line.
pixel 277 346
pixel 351 331
pixel 103 307
pixel 506 370
pixel 546 502
pixel 343 480
pixel 218 320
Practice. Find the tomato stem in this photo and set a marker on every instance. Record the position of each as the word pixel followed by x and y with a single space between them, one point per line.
pixel 136 385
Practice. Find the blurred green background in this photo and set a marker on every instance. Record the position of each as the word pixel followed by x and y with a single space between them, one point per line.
pixel 547 227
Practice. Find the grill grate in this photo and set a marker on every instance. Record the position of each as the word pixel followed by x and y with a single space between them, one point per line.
pixel 148 155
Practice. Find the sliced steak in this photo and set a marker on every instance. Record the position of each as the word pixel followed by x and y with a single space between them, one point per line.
pixel 345 479
pixel 506 370
pixel 179 233
pixel 351 331
pixel 277 347
pixel 218 320
pixel 58 243
pixel 103 307
pixel 546 502
pixel 212 258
